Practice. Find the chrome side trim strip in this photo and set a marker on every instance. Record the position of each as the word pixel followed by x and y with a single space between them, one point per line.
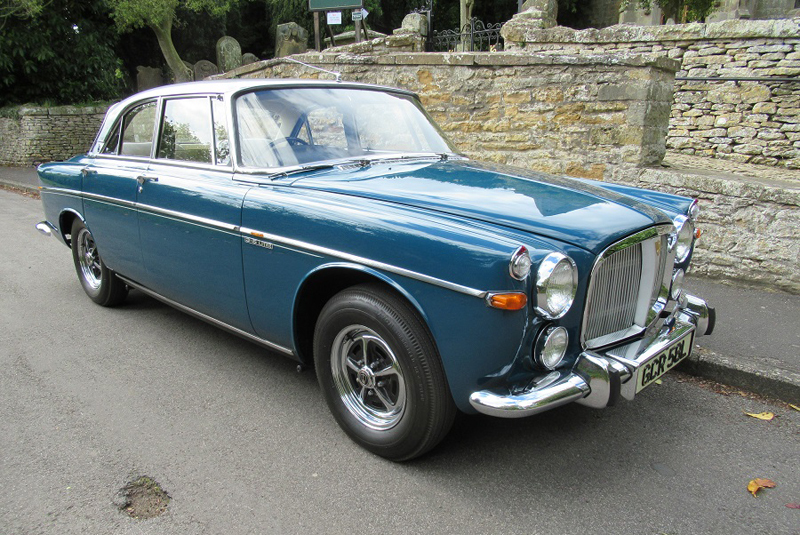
pixel 208 319
pixel 60 191
pixel 109 200
pixel 366 262
pixel 481 294
pixel 188 217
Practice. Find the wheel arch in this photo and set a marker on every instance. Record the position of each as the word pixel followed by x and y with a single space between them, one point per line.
pixel 321 285
pixel 65 222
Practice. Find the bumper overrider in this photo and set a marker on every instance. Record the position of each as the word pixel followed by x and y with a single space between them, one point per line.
pixel 599 378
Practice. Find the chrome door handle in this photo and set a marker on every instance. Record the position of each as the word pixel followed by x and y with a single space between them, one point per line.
pixel 141 179
pixel 86 172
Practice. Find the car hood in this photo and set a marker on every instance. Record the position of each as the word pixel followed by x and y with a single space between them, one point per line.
pixel 567 209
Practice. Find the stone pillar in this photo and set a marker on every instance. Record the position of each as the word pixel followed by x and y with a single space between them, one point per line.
pixel 539 13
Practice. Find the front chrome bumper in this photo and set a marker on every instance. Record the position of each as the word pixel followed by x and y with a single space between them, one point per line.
pixel 599 378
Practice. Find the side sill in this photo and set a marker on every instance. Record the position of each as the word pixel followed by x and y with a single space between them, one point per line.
pixel 208 319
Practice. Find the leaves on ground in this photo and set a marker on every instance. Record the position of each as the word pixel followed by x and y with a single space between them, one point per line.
pixel 759 483
pixel 761 415
pixel 793 505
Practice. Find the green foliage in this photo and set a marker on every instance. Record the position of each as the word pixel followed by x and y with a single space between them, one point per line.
pixel 680 11
pixel 131 14
pixel 63 54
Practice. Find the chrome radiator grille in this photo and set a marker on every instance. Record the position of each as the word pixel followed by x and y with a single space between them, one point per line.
pixel 627 284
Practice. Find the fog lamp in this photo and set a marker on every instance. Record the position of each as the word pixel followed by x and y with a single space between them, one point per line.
pixel 551 346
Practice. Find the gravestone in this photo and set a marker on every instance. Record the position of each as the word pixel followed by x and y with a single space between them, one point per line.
pixel 204 68
pixel 229 54
pixel 248 58
pixel 290 38
pixel 148 77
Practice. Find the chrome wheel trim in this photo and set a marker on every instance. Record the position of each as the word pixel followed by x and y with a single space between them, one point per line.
pixel 89 260
pixel 368 377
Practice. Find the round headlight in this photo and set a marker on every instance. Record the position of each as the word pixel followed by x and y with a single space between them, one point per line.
pixel 551 346
pixel 520 265
pixel 685 237
pixel 556 284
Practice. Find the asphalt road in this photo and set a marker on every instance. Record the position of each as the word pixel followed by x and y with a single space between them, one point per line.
pixel 92 397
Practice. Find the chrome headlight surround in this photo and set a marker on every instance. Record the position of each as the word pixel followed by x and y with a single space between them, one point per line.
pixel 551 347
pixel 683 238
pixel 556 285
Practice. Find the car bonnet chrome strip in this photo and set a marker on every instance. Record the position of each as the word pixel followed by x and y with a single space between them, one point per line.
pixel 290 242
pixel 364 261
pixel 206 318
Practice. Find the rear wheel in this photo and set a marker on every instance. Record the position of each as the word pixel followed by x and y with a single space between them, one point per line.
pixel 380 373
pixel 100 283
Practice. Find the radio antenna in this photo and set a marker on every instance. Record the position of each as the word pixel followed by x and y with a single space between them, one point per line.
pixel 337 74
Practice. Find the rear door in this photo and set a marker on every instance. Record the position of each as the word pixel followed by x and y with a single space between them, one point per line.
pixel 110 186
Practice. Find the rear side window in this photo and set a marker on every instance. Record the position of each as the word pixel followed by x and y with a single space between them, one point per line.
pixel 186 134
pixel 137 131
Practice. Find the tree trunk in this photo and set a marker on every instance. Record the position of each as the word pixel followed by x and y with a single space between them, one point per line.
pixel 164 35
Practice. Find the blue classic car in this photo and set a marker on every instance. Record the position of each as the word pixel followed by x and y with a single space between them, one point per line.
pixel 334 223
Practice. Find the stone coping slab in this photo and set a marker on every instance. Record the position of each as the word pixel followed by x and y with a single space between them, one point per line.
pixel 519 31
pixel 499 59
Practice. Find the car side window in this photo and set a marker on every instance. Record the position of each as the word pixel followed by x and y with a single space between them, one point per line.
pixel 222 145
pixel 137 131
pixel 186 130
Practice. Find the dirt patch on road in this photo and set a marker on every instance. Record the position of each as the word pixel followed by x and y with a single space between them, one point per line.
pixel 142 498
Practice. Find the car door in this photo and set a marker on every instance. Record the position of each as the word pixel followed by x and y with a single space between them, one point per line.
pixel 110 186
pixel 190 213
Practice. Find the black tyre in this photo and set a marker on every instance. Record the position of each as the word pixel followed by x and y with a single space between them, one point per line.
pixel 380 373
pixel 100 283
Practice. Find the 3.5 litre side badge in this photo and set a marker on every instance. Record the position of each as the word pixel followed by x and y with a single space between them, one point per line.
pixel 258 243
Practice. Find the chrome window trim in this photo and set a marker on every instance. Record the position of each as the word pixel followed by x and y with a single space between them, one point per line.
pixel 209 319
pixel 638 237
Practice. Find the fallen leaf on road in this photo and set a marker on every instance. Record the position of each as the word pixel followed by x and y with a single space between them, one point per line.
pixel 795 407
pixel 758 484
pixel 761 415
pixel 793 505
pixel 658 381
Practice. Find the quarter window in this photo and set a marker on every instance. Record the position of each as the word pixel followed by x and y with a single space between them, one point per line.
pixel 137 131
pixel 186 133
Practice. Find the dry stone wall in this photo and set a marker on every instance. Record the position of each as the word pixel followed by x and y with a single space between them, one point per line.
pixel 742 121
pixel 576 115
pixel 38 134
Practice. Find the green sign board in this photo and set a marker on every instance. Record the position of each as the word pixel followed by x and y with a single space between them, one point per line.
pixel 332 5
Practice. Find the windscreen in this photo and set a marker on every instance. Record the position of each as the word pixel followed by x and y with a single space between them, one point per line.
pixel 286 127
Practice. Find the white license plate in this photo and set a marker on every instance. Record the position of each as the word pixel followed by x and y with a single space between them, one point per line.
pixel 664 361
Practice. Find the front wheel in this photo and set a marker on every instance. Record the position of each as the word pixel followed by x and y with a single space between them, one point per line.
pixel 100 283
pixel 380 373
